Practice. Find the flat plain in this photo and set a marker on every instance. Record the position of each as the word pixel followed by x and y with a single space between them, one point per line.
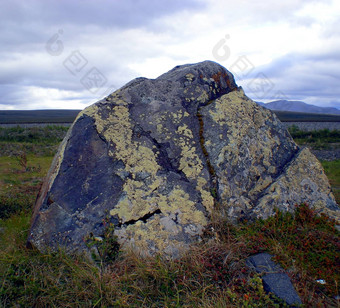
pixel 212 274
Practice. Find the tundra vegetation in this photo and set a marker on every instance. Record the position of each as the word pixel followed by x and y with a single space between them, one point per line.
pixel 316 139
pixel 212 274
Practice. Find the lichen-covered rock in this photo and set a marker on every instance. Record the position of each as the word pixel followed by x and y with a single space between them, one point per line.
pixel 156 157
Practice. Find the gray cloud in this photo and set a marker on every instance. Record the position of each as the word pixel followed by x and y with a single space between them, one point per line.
pixel 120 38
pixel 100 13
pixel 28 25
pixel 310 77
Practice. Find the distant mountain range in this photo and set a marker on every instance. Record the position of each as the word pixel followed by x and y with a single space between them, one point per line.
pixel 298 106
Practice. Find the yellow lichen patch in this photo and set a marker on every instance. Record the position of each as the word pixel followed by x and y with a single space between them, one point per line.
pixel 159 233
pixel 246 134
pixel 190 76
pixel 144 160
pixel 184 131
pixel 237 104
pixel 190 162
pixel 163 131
pixel 137 201
pixel 159 128
pixel 203 98
pixel 178 116
pixel 118 130
pixel 207 199
pixel 188 214
pixel 151 238
pixel 192 165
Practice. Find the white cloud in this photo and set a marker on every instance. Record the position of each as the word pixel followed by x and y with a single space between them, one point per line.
pixel 294 43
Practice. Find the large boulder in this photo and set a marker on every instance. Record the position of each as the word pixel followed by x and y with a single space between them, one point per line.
pixel 159 159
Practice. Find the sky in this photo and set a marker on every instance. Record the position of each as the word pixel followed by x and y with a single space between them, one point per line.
pixel 70 54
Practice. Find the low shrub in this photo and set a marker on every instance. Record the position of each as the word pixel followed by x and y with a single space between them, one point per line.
pixel 212 273
pixel 317 138
pixel 302 241
pixel 11 204
pixel 44 135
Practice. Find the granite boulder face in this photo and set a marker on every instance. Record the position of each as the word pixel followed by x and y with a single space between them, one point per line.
pixel 159 158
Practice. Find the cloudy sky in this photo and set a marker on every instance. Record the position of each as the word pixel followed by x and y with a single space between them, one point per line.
pixel 69 54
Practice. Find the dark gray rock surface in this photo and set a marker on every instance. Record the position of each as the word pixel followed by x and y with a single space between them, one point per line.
pixel 262 263
pixel 280 285
pixel 274 279
pixel 155 157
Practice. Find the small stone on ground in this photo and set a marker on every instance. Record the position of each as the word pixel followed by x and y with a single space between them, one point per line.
pixel 274 280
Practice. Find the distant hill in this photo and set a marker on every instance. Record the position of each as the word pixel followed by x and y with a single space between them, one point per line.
pixel 298 106
pixel 38 116
pixel 68 116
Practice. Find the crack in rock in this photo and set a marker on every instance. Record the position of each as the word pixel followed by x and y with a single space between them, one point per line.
pixel 211 169
pixel 144 219
pixel 166 162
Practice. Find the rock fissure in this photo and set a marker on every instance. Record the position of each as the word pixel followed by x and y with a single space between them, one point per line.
pixel 277 176
pixel 163 159
pixel 283 170
pixel 274 178
pixel 143 219
pixel 211 169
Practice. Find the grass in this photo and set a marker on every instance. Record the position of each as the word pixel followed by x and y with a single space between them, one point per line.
pixel 37 141
pixel 19 184
pixel 317 139
pixel 326 140
pixel 332 169
pixel 47 135
pixel 213 274
pixel 288 116
pixel 306 244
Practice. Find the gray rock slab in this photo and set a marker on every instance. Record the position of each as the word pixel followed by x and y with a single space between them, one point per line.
pixel 262 263
pixel 274 279
pixel 280 285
